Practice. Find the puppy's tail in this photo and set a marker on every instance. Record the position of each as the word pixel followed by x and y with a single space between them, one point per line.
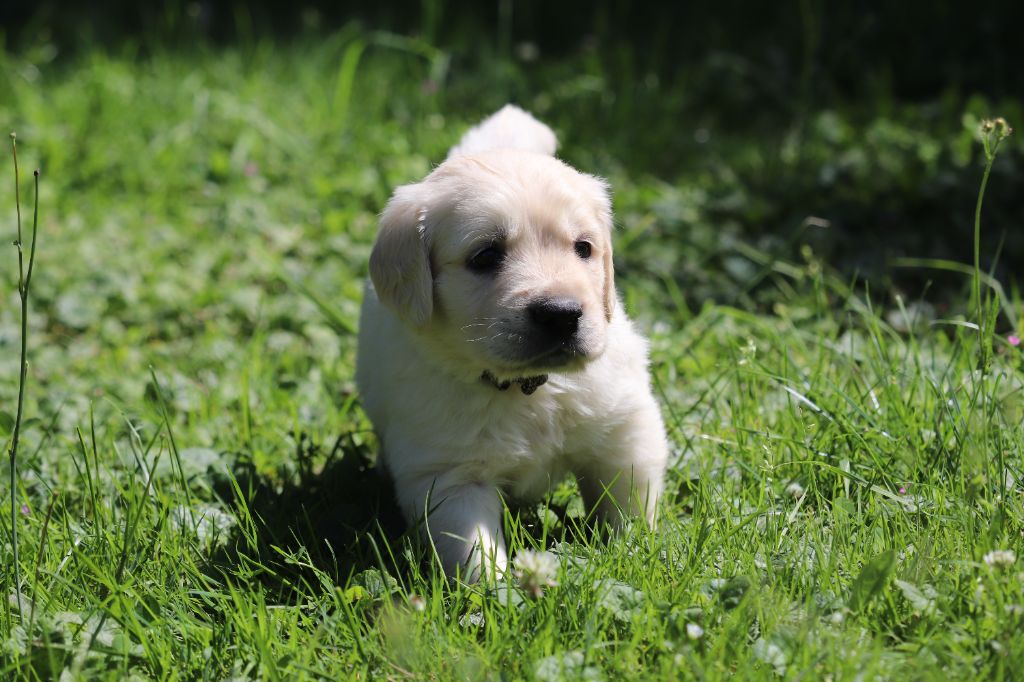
pixel 509 128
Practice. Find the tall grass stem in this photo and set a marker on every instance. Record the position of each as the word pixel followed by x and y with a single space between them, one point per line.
pixel 24 282
pixel 993 132
pixel 980 317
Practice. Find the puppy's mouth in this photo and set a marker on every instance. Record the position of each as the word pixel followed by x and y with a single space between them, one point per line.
pixel 566 355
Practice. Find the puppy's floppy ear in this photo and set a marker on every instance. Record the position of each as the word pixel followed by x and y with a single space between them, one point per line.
pixel 400 260
pixel 609 281
pixel 601 198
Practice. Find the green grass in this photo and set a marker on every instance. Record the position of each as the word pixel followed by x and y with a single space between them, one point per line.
pixel 196 486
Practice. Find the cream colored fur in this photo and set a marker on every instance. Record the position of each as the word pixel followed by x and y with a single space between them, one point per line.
pixel 431 327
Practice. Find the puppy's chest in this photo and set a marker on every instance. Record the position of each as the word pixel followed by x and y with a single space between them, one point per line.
pixel 524 442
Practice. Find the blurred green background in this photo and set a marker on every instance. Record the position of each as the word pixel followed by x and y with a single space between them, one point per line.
pixel 850 127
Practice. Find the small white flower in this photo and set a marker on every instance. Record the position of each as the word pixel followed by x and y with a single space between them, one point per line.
pixel 535 571
pixel 417 602
pixel 836 618
pixel 795 490
pixel 1000 558
pixel 747 352
pixel 694 631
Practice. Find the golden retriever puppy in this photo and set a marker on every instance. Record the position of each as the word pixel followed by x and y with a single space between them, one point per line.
pixel 494 356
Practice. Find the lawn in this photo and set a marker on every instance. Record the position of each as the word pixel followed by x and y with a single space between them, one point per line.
pixel 196 493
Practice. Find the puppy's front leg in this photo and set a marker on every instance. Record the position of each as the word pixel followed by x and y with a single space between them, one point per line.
pixel 626 476
pixel 461 520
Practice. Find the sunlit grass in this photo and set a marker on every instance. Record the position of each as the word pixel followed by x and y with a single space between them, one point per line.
pixel 196 473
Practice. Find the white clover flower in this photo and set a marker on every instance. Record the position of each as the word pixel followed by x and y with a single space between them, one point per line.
pixel 535 571
pixel 1000 558
pixel 795 490
pixel 694 631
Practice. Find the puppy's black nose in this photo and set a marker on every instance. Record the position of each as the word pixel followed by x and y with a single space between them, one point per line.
pixel 557 316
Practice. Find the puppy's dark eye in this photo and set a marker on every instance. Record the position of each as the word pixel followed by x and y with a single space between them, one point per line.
pixel 583 249
pixel 486 260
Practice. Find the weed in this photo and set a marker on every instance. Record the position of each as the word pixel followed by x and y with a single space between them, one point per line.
pixel 24 288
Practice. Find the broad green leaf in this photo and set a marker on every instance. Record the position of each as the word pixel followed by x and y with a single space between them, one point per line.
pixel 377 585
pixel 353 594
pixel 506 595
pixel 618 598
pixel 922 599
pixel 6 424
pixel 872 579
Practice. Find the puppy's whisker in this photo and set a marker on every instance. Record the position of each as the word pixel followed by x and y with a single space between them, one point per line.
pixel 481 322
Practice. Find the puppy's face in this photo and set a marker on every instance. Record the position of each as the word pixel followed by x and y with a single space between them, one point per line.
pixel 502 261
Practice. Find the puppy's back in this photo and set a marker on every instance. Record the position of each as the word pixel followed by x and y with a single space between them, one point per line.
pixel 509 128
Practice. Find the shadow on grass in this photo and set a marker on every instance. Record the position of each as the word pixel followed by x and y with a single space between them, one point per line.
pixel 334 517
pixel 337 516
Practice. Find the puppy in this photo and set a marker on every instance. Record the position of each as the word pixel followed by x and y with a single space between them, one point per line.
pixel 494 356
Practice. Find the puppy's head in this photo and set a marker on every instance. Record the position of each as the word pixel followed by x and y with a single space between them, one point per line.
pixel 502 261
